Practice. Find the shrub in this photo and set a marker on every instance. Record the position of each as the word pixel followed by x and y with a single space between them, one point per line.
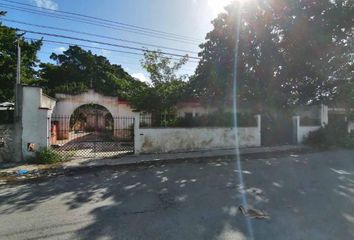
pixel 216 119
pixel 47 156
pixel 332 135
pixel 348 142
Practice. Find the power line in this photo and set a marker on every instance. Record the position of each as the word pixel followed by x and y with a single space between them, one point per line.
pixel 100 48
pixel 99 24
pixel 183 69
pixel 97 35
pixel 102 19
pixel 103 43
pixel 90 22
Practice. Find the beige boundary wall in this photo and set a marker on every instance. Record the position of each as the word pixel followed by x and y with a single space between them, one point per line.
pixel 163 140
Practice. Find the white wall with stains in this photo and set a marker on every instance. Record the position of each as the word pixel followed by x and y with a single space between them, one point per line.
pixel 302 132
pixel 36 111
pixel 163 140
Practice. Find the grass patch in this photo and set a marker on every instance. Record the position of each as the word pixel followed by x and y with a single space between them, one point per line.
pixel 47 156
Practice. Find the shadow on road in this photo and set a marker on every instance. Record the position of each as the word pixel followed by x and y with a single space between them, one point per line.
pixel 306 195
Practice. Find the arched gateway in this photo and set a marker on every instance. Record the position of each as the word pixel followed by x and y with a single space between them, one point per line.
pixel 92 125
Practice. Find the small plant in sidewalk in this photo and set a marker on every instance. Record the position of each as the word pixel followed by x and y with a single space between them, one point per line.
pixel 47 156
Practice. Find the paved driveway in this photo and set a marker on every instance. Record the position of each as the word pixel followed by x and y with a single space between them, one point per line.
pixel 309 196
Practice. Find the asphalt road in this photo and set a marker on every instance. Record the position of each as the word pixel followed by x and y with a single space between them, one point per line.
pixel 309 196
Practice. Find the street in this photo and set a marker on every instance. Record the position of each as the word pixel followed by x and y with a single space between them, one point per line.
pixel 308 196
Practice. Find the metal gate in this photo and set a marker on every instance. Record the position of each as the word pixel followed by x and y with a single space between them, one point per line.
pixel 92 136
pixel 277 129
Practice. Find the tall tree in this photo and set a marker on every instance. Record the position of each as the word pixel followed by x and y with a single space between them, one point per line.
pixel 77 70
pixel 290 52
pixel 167 87
pixel 8 61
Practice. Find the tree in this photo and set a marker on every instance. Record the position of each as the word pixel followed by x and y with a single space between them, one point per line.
pixel 77 70
pixel 167 86
pixel 8 61
pixel 290 52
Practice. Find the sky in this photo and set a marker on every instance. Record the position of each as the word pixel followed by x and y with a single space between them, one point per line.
pixel 189 18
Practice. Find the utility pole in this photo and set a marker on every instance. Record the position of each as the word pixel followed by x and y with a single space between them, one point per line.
pixel 18 73
pixel 18 80
pixel 18 101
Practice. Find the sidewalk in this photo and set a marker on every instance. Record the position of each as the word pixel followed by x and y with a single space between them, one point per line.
pixel 167 157
pixel 154 158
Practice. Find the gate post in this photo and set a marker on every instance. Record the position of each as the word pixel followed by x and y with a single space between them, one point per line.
pixel 296 126
pixel 258 118
pixel 324 115
pixel 136 134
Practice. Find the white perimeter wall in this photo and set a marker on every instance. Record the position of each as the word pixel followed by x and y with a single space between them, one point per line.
pixel 162 140
pixel 302 131
pixel 36 111
pixel 350 126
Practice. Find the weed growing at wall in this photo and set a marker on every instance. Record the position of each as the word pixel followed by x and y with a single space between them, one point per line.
pixel 47 156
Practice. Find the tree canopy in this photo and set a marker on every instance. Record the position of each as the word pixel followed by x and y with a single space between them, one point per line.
pixel 8 61
pixel 290 52
pixel 167 87
pixel 77 70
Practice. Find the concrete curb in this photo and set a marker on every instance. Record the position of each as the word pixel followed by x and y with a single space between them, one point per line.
pixel 177 157
pixel 37 173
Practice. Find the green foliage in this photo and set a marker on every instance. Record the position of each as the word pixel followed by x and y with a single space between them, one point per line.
pixel 77 70
pixel 167 86
pixel 345 97
pixel 332 135
pixel 348 142
pixel 289 53
pixel 47 156
pixel 216 119
pixel 8 61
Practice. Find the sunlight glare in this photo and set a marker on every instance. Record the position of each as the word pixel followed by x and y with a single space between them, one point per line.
pixel 217 6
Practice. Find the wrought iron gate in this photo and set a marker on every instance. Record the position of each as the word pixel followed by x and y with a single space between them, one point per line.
pixel 92 136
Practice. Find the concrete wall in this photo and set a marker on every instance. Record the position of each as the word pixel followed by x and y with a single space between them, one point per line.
pixel 36 111
pixel 67 104
pixel 301 132
pixel 314 112
pixel 162 140
pixel 195 110
pixel 350 126
pixel 7 147
pixel 304 132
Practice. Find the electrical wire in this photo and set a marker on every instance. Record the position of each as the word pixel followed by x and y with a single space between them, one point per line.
pixel 96 35
pixel 105 25
pixel 103 43
pixel 102 19
pixel 100 48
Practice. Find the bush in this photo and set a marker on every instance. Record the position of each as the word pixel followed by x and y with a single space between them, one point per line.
pixel 216 119
pixel 47 156
pixel 332 135
pixel 348 142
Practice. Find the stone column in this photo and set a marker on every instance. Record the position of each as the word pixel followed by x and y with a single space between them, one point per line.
pixel 296 126
pixel 137 147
